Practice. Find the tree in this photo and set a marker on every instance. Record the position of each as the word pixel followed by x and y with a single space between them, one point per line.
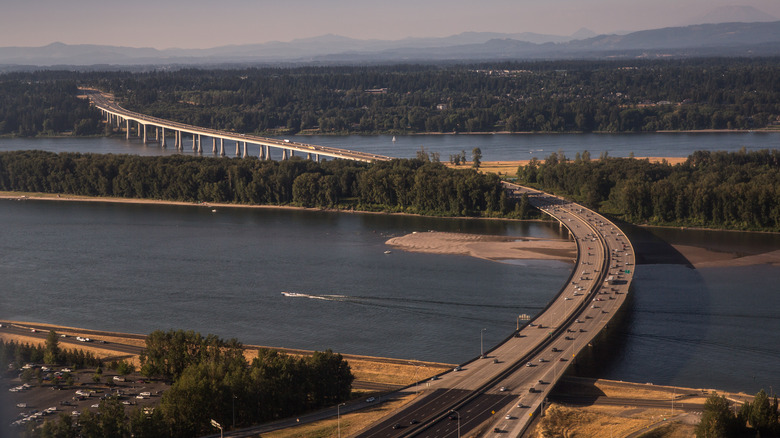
pixel 717 420
pixel 51 356
pixel 476 158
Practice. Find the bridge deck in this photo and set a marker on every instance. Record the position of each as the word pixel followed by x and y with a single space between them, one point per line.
pixel 108 106
pixel 505 389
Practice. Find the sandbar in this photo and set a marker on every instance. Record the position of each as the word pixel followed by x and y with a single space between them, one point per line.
pixel 707 258
pixel 486 247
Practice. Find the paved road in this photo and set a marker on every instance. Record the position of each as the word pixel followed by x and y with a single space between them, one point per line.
pixel 502 391
pixel 104 103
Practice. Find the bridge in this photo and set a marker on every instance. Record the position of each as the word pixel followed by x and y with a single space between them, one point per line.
pixel 500 392
pixel 118 116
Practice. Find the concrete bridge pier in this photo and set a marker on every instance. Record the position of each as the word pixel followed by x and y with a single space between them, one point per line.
pixel 238 148
pixel 214 145
pixel 138 131
pixel 143 128
pixel 222 147
pixel 127 129
pixel 200 147
pixel 317 157
pixel 194 142
pixel 267 152
pixel 261 156
pixel 284 154
pixel 162 138
pixel 245 154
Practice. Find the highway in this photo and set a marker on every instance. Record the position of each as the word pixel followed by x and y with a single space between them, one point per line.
pixel 499 394
pixel 107 105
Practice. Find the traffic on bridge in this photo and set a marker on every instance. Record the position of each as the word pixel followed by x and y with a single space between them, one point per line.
pixel 115 114
pixel 500 392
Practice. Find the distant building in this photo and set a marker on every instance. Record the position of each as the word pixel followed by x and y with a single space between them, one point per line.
pixel 442 106
pixel 376 91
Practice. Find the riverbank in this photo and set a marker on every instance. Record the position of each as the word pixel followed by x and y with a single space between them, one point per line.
pixel 486 247
pixel 510 167
pixel 582 405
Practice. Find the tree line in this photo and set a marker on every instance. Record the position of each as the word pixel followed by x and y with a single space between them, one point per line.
pixel 420 186
pixel 737 190
pixel 536 96
pixel 14 355
pixel 756 419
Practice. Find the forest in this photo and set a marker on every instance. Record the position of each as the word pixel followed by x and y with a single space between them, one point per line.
pixel 539 96
pixel 417 186
pixel 739 190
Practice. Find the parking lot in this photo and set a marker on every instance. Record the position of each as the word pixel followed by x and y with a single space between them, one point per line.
pixel 33 402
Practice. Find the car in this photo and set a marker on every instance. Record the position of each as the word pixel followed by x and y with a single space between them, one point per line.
pixel 34 331
pixel 397 426
pixel 532 390
pixel 541 359
pixel 453 416
pixel 541 381
pixel 435 378
pixel 495 360
pixel 370 399
pixel 497 430
pixel 520 405
pixel 555 350
pixel 568 338
pixel 529 364
pixel 503 389
pixel 508 417
pixel 414 421
pixel 457 368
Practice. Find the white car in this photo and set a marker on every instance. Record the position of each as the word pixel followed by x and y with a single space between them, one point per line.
pixel 370 400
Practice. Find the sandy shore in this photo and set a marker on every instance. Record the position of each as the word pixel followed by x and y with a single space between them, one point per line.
pixel 510 167
pixel 486 247
pixel 707 258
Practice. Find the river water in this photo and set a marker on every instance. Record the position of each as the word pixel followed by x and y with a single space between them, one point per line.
pixel 494 147
pixel 138 268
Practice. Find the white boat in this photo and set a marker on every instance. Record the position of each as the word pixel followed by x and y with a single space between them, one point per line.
pixel 293 294
pixel 388 252
pixel 393 139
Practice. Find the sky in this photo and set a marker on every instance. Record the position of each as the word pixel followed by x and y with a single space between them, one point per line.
pixel 211 23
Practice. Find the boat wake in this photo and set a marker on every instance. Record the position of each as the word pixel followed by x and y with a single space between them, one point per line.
pixel 315 297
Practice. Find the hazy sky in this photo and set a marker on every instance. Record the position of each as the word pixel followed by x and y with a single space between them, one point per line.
pixel 210 23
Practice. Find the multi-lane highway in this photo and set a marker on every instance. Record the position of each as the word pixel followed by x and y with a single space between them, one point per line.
pixel 501 392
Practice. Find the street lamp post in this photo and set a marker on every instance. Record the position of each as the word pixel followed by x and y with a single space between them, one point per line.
pixel 234 411
pixel 458 414
pixel 218 426
pixel 338 416
pixel 481 343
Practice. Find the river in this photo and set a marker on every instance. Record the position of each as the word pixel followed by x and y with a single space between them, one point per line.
pixel 494 147
pixel 137 268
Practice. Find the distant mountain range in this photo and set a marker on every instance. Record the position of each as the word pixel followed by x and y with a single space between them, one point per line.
pixel 723 39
